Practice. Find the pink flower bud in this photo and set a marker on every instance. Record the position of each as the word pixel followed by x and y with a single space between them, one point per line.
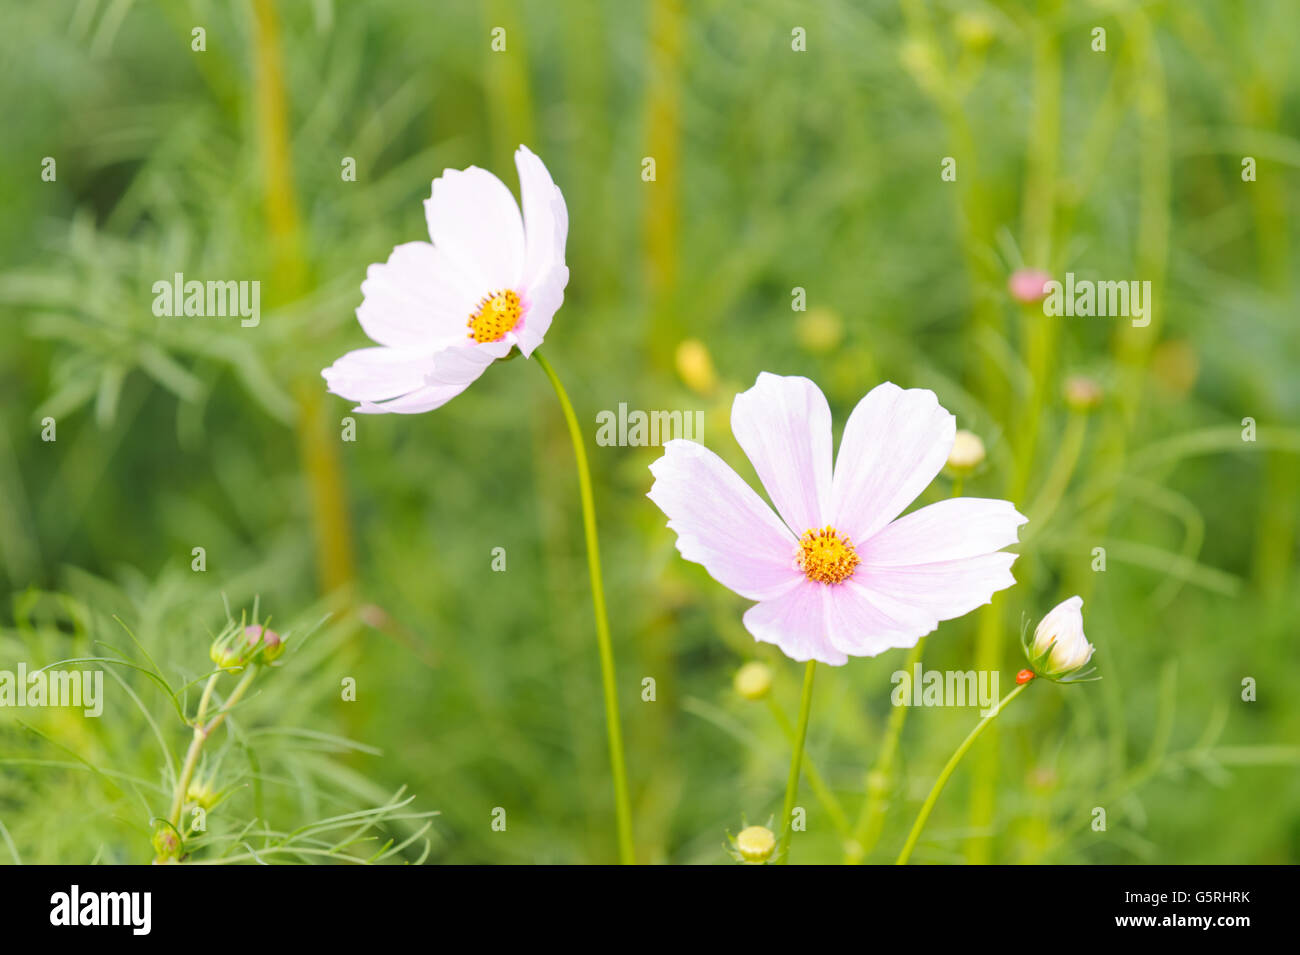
pixel 272 645
pixel 1028 286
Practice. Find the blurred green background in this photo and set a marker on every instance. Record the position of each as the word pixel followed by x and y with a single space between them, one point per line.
pixel 776 169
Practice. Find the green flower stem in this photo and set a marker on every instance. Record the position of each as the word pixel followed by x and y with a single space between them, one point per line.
pixel 881 777
pixel 622 804
pixel 796 759
pixel 824 794
pixel 947 771
pixel 872 819
pixel 1058 478
pixel 201 733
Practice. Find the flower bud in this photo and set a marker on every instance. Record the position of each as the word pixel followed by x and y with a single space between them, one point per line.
pixel 755 844
pixel 819 330
pixel 967 453
pixel 1059 650
pixel 1082 393
pixel 753 681
pixel 166 843
pixel 201 793
pixel 274 647
pixel 1028 286
pixel 271 644
pixel 226 653
pixel 695 366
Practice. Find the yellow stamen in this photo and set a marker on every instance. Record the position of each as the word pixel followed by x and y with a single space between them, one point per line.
pixel 826 557
pixel 497 314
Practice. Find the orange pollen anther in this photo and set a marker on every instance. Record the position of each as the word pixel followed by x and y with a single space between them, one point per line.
pixel 826 557
pixel 495 315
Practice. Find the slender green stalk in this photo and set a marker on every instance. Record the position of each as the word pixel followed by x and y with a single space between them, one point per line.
pixel 622 804
pixel 947 771
pixel 191 756
pixel 1039 346
pixel 290 275
pixel 796 760
pixel 872 819
pixel 201 733
pixel 661 229
pixel 1058 478
pixel 823 792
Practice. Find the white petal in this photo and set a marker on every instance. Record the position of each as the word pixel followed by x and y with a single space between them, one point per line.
pixel 463 363
pixel 721 523
pixel 947 530
pixel 943 590
pixel 783 424
pixel 894 444
pixel 416 299
pixel 796 622
pixel 417 402
pixel 373 374
pixel 546 218
pixel 542 301
pixel 474 221
pixel 863 622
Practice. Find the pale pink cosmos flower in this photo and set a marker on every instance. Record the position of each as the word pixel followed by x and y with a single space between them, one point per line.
pixel 441 312
pixel 838 573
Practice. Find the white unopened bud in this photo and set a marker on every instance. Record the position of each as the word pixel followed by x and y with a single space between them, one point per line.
pixel 967 452
pixel 1059 647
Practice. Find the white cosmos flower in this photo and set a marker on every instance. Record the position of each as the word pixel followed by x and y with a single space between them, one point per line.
pixel 834 570
pixel 1059 646
pixel 442 311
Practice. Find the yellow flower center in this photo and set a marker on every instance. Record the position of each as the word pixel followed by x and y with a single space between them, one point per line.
pixel 826 557
pixel 497 314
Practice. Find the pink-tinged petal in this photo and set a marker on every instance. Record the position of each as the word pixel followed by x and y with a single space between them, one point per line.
pixel 416 299
pixel 894 444
pixel 948 530
pixel 722 523
pixel 417 402
pixel 796 622
pixel 946 589
pixel 373 374
pixel 474 221
pixel 783 424
pixel 542 300
pixel 546 218
pixel 463 363
pixel 863 622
